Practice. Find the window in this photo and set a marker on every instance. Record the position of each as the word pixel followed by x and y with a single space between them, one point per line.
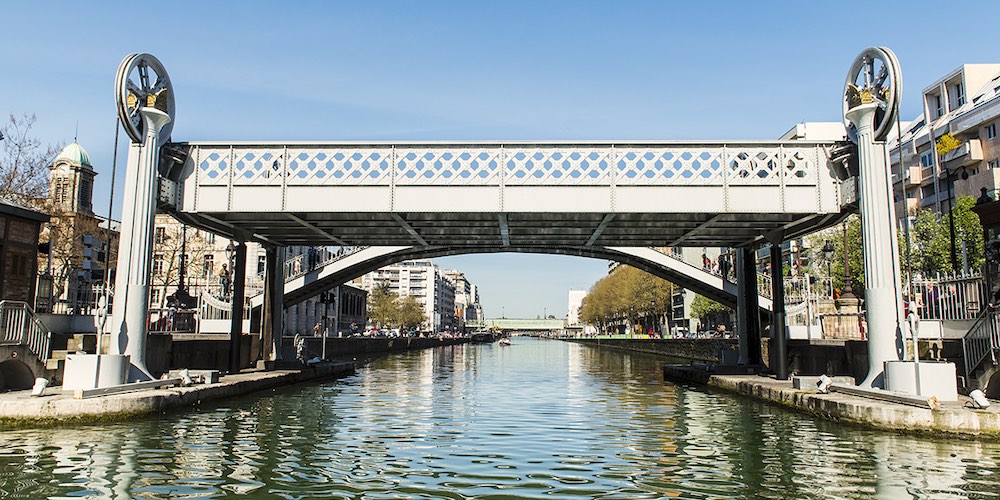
pixel 157 263
pixel 927 159
pixel 210 238
pixel 959 94
pixel 154 297
pixel 86 193
pixel 991 131
pixel 992 164
pixel 938 106
pixel 160 235
pixel 261 263
pixel 208 266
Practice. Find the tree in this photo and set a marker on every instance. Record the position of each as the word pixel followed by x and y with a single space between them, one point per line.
pixel 410 314
pixel 24 162
pixel 625 295
pixel 381 306
pixel 706 309
pixel 928 252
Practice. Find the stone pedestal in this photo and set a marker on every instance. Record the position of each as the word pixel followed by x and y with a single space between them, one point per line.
pixel 936 379
pixel 92 371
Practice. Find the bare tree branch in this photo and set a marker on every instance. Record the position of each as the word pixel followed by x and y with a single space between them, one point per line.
pixel 24 162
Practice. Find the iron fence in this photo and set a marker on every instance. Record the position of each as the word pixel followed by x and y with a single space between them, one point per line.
pixel 959 296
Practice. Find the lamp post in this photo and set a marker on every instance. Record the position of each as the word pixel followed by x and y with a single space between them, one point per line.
pixel 828 254
pixel 848 290
pixel 656 326
pixel 951 214
pixel 230 256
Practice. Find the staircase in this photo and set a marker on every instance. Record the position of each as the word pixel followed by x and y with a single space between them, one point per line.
pixel 981 349
pixel 19 325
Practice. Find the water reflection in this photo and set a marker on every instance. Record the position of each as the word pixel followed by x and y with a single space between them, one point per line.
pixel 539 418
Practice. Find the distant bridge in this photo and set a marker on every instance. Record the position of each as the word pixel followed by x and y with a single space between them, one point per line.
pixel 519 324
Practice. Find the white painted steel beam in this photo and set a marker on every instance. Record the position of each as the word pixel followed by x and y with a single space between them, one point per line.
pixel 642 193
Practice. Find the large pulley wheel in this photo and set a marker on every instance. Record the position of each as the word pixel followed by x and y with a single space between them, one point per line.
pixel 142 82
pixel 874 78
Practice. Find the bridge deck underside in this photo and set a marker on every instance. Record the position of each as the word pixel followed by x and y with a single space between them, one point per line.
pixel 510 229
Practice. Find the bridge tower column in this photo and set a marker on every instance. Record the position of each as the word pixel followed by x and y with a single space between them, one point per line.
pixel 135 248
pixel 239 293
pixel 870 106
pixel 778 346
pixel 272 323
pixel 146 111
pixel 747 308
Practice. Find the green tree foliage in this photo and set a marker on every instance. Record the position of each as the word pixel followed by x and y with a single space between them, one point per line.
pixel 626 293
pixel 928 252
pixel 411 315
pixel 705 308
pixel 382 310
pixel 386 309
pixel 834 265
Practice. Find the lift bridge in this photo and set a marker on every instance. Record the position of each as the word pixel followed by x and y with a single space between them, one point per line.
pixel 608 200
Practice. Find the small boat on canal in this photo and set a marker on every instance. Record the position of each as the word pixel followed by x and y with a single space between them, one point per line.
pixel 484 336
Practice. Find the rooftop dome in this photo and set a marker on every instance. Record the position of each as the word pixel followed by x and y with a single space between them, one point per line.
pixel 75 154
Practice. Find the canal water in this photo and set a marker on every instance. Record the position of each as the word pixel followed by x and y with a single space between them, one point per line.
pixel 538 419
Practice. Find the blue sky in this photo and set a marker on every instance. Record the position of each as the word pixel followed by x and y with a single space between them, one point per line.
pixel 433 70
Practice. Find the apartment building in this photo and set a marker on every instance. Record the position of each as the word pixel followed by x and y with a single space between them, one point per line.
pixel 923 179
pixel 467 307
pixel 425 282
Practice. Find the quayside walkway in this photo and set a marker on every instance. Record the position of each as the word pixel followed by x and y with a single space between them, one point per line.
pixel 957 418
pixel 20 408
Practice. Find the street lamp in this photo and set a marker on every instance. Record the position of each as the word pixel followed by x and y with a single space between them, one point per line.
pixel 951 214
pixel 230 256
pixel 848 290
pixel 828 254
pixel 652 304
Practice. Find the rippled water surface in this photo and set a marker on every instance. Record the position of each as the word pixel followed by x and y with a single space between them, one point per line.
pixel 542 419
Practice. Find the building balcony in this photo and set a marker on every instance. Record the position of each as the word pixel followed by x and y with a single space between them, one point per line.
pixel 968 153
pixel 911 176
pixel 907 207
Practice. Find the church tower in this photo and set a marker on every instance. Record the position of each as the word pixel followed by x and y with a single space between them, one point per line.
pixel 71 181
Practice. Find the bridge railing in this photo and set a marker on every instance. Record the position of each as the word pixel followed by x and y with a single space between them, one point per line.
pixel 761 176
pixel 299 265
pixel 20 325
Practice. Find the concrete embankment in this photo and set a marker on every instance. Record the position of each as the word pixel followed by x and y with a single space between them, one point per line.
pixel 347 347
pixel 707 350
pixel 20 409
pixel 948 418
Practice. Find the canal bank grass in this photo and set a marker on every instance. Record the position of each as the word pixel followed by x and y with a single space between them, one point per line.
pixel 948 420
pixel 19 410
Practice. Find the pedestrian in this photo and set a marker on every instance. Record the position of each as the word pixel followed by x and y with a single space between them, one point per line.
pixel 316 329
pixel 313 258
pixel 224 280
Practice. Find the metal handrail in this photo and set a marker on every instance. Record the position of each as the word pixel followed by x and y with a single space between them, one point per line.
pixel 22 326
pixel 299 265
pixel 981 341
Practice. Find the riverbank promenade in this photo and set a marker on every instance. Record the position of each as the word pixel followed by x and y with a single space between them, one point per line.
pixel 955 418
pixel 56 407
